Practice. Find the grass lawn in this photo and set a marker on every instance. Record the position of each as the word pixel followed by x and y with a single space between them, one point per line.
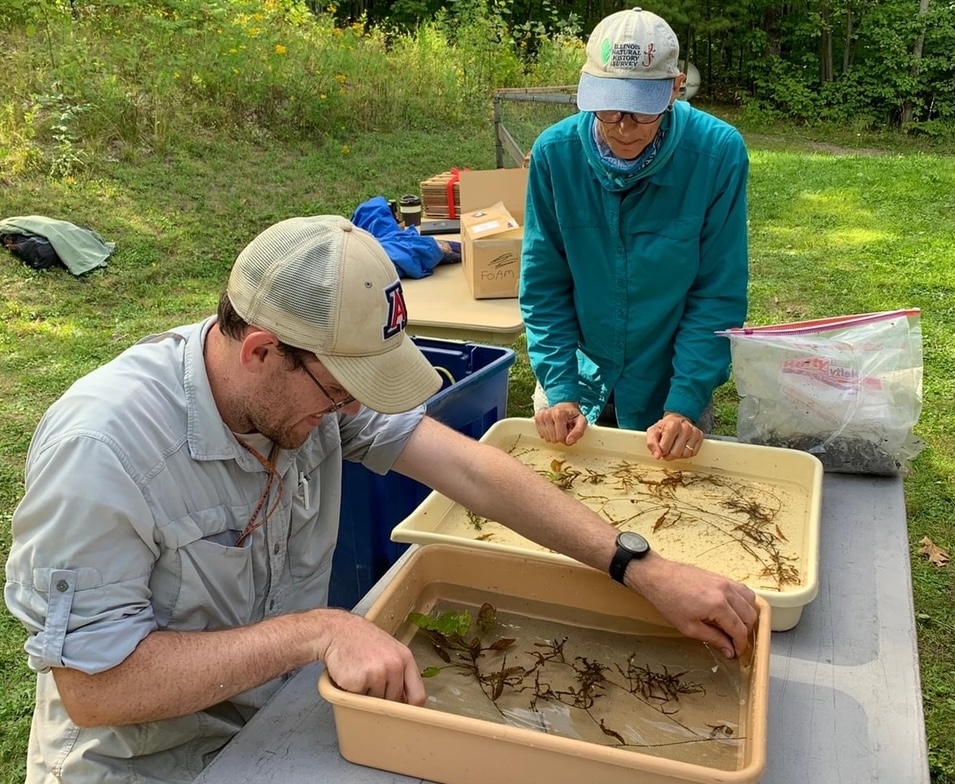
pixel 839 224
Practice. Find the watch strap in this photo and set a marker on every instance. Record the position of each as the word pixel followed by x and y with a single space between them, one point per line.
pixel 619 563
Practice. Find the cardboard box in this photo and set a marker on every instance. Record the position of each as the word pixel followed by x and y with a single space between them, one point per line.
pixel 488 221
pixel 491 254
pixel 441 195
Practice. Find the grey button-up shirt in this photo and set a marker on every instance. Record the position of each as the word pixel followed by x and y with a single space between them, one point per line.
pixel 135 494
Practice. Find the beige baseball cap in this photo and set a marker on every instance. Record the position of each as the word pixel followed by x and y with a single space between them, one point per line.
pixel 633 58
pixel 323 285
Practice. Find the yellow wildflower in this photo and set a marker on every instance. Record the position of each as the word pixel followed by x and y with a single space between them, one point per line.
pixel 346 150
pixel 341 78
pixel 279 49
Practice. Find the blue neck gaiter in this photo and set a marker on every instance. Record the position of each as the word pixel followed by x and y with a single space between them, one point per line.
pixel 618 173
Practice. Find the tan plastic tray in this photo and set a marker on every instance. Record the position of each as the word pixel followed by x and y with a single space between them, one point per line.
pixel 454 749
pixel 792 478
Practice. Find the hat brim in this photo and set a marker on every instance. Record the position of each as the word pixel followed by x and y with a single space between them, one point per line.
pixel 642 96
pixel 390 383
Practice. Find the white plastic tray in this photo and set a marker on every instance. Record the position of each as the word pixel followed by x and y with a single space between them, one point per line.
pixel 751 512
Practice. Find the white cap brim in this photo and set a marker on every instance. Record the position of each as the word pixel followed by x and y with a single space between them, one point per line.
pixel 390 383
pixel 642 96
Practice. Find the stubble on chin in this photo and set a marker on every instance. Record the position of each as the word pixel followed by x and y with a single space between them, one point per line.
pixel 261 421
pixel 283 437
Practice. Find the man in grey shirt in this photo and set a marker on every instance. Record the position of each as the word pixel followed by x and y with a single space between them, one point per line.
pixel 172 550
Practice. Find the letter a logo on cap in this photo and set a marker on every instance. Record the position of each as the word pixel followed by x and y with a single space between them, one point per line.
pixel 397 311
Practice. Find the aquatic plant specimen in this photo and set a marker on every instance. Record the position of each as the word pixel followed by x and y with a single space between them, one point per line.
pixel 633 496
pixel 542 672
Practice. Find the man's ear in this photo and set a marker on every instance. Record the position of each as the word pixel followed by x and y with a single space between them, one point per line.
pixel 258 347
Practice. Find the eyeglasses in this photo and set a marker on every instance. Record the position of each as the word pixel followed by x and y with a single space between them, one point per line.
pixel 612 118
pixel 334 406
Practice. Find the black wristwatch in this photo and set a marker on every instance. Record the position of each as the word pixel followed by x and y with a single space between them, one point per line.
pixel 629 546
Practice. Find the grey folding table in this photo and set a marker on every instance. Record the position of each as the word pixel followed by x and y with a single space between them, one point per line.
pixel 845 701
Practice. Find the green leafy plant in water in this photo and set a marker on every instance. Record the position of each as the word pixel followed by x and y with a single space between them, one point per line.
pixel 448 623
pixel 448 633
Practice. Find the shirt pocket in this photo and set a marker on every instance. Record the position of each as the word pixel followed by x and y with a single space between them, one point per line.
pixel 664 250
pixel 313 526
pixel 202 580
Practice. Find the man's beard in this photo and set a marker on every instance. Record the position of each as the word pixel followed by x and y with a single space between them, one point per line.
pixel 281 434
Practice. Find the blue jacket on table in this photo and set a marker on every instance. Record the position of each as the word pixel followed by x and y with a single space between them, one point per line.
pixel 625 280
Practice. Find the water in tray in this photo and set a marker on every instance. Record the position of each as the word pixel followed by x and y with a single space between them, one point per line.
pixel 604 680
pixel 750 530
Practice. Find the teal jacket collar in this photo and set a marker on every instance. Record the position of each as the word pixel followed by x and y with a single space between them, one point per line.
pixel 656 171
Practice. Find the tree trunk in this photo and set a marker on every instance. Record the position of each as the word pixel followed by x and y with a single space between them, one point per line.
pixel 908 108
pixel 825 44
pixel 771 17
pixel 847 51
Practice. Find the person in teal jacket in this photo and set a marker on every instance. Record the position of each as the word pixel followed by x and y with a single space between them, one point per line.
pixel 635 247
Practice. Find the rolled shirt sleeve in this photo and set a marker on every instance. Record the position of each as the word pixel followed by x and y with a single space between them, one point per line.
pixel 82 554
pixel 376 440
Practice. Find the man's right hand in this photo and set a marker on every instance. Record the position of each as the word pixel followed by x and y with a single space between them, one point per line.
pixel 564 423
pixel 700 604
pixel 363 659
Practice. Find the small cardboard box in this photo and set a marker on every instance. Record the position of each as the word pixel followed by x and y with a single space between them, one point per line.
pixel 441 195
pixel 491 254
pixel 488 221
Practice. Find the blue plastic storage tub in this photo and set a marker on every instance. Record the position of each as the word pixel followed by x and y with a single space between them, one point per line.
pixel 473 398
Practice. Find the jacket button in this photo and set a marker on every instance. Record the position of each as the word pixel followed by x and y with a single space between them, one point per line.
pixel 62 586
pixel 276 548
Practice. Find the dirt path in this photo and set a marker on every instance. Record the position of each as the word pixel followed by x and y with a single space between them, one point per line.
pixel 813 146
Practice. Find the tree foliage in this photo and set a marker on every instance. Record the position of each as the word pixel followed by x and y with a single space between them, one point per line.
pixel 869 62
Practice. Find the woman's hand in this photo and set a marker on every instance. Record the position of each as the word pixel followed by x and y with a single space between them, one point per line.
pixel 673 438
pixel 564 423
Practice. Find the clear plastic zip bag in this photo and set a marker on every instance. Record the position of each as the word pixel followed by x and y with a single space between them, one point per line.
pixel 846 389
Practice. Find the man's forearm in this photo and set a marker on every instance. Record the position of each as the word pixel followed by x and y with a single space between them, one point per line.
pixel 176 673
pixel 493 484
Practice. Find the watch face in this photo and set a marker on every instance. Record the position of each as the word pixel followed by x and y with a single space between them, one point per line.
pixel 635 543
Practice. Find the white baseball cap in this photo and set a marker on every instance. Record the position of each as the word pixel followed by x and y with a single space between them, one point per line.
pixel 323 285
pixel 632 59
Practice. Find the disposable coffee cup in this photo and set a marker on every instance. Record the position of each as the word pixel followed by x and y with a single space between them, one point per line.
pixel 409 206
